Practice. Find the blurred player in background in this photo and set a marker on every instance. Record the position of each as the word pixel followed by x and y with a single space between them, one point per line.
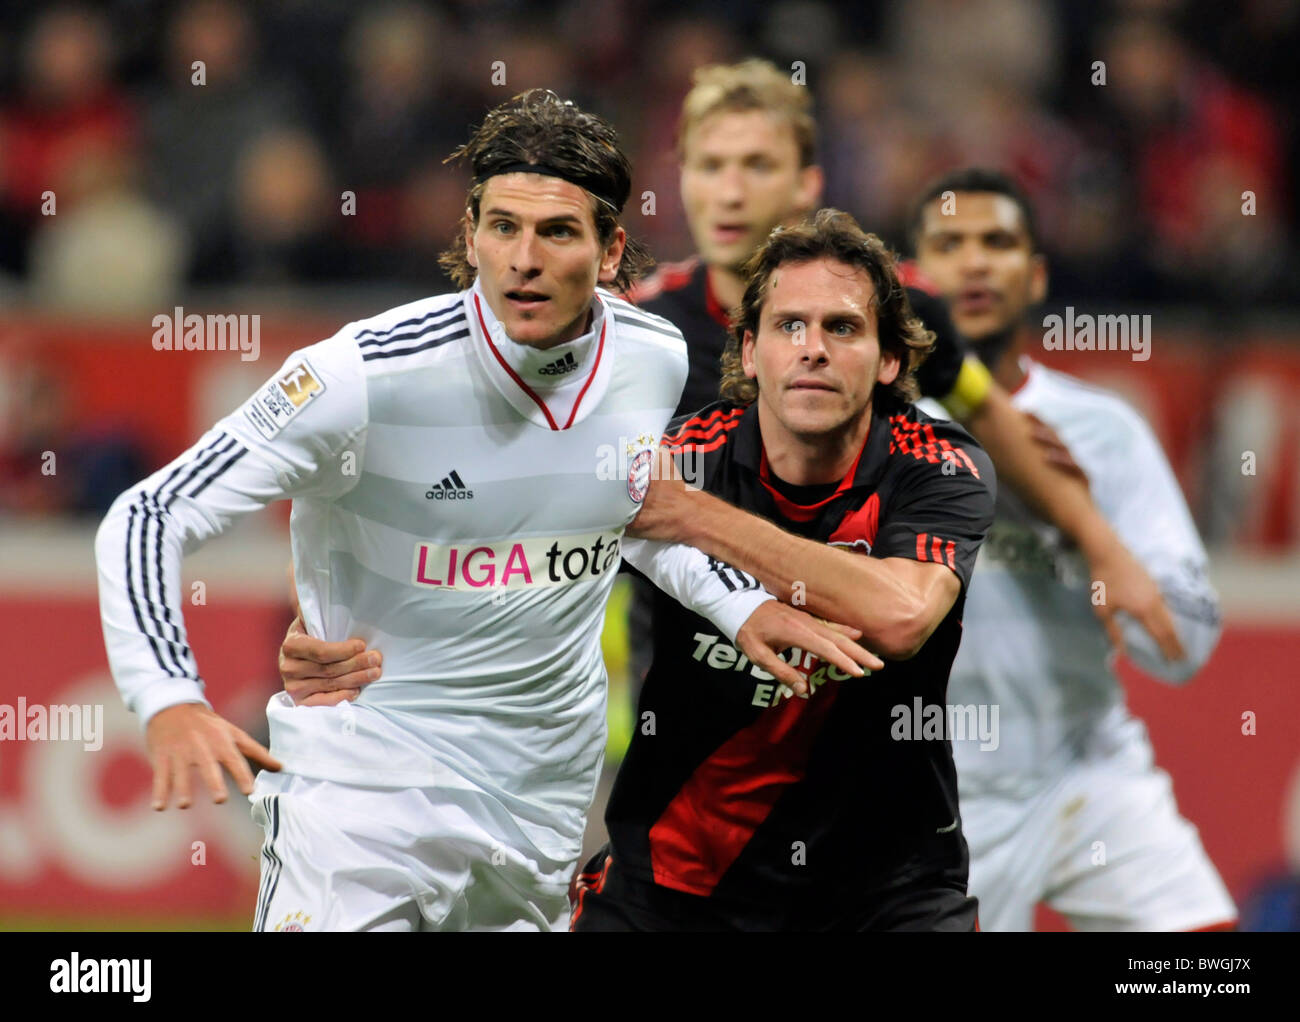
pixel 747 144
pixel 443 459
pixel 1068 808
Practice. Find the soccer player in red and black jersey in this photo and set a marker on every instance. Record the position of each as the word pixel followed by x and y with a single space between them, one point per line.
pixel 747 146
pixel 743 803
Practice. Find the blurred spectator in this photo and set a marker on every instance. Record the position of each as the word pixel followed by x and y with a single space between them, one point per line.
pixel 79 261
pixel 47 465
pixel 1140 182
pixel 214 104
pixel 284 225
pixel 1195 143
pixel 67 105
pixel 396 116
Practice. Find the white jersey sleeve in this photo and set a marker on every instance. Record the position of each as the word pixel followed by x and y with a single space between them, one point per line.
pixel 715 590
pixel 1147 509
pixel 292 438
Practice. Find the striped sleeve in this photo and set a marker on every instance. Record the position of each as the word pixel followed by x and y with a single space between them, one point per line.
pixel 289 439
pixel 711 588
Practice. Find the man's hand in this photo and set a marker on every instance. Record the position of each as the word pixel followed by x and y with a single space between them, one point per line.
pixel 775 627
pixel 1128 588
pixel 319 673
pixel 191 735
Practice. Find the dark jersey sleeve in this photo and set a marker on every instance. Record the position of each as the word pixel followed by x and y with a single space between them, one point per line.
pixel 942 506
pixel 938 373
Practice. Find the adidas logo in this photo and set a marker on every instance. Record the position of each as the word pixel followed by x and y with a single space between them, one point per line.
pixel 452 487
pixel 560 366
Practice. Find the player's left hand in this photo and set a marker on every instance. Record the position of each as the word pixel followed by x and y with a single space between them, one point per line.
pixel 320 673
pixel 775 627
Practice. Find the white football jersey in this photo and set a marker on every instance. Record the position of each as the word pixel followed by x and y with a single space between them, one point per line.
pixel 1032 645
pixel 459 503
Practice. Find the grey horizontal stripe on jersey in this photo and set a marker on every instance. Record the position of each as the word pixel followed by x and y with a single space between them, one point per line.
pixel 399 399
pixel 372 598
pixel 389 502
pixel 634 320
pixel 465 403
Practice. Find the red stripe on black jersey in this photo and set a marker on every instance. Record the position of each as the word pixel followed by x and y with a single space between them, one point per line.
pixel 910 275
pixel 715 814
pixel 703 427
pixel 807 512
pixel 667 277
pixel 702 447
pixel 859 527
pixel 918 440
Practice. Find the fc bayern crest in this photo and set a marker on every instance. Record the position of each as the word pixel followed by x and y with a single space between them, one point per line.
pixel 638 476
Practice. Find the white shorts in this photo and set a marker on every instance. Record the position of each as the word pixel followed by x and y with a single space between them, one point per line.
pixel 1103 844
pixel 346 857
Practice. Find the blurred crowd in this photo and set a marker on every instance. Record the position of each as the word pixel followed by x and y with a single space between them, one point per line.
pixel 150 147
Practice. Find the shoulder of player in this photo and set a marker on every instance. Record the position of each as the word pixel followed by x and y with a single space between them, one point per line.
pixel 920 444
pixel 638 325
pixel 709 428
pixel 666 278
pixel 428 324
pixel 1108 416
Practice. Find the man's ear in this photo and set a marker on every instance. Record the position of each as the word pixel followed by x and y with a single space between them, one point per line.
pixel 613 257
pixel 808 196
pixel 890 364
pixel 747 360
pixel 469 239
pixel 1038 279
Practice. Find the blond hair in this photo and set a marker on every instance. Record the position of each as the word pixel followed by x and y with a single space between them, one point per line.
pixel 752 84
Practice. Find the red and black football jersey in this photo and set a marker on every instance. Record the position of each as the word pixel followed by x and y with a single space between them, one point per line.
pixel 680 293
pixel 733 788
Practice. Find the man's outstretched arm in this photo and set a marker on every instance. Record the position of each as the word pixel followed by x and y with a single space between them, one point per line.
pixel 1033 463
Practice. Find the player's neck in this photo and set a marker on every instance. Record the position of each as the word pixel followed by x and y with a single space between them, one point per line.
pixel 809 459
pixel 727 285
pixel 1001 354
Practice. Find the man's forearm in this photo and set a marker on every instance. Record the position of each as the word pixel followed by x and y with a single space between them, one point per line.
pixel 1059 498
pixel 846 587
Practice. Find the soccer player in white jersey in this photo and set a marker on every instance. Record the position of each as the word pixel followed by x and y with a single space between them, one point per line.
pixel 461 470
pixel 1068 808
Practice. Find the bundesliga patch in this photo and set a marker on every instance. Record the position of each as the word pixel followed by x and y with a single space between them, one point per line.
pixel 279 401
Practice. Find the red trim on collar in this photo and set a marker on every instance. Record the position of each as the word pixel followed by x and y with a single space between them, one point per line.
pixel 1023 380
pixel 711 303
pixel 806 512
pixel 550 420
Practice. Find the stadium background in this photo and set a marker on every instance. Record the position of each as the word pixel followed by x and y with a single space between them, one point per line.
pixel 229 197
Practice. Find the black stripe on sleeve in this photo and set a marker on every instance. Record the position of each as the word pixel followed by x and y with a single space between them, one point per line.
pixel 202 466
pixel 130 592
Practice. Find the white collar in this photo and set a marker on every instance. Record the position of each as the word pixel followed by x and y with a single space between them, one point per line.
pixel 555 387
